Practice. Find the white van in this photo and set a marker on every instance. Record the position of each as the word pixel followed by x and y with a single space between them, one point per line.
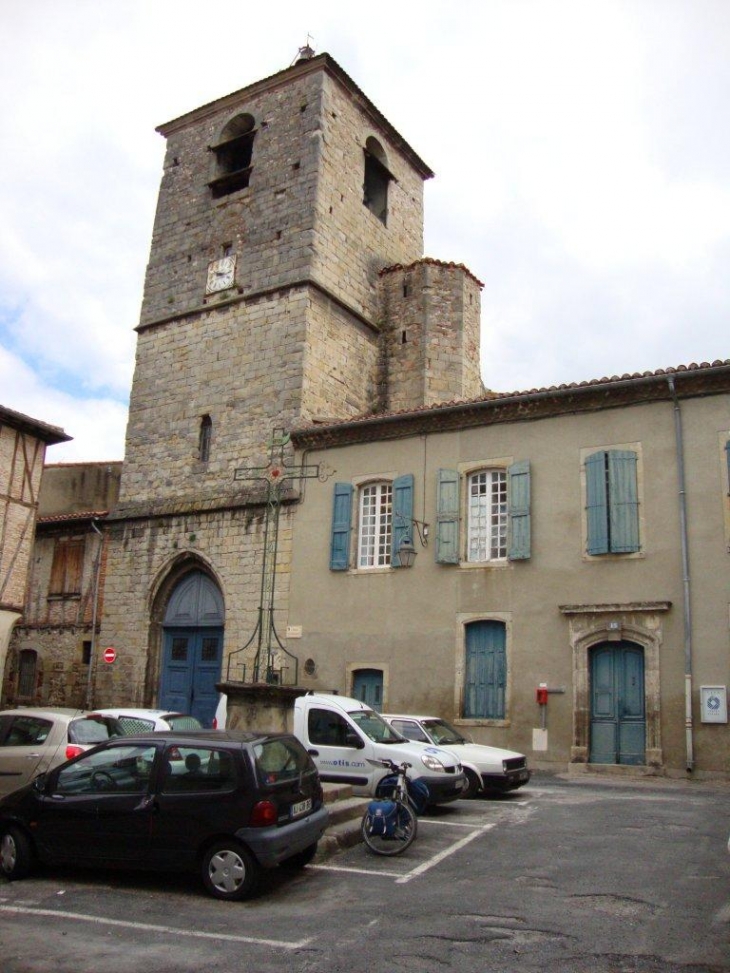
pixel 347 741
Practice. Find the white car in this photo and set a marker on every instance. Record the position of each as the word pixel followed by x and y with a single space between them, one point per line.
pixel 35 739
pixel 135 720
pixel 488 769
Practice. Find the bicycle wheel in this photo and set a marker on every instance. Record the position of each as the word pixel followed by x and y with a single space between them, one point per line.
pixel 405 830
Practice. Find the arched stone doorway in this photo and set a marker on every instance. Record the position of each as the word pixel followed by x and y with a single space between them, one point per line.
pixel 192 647
pixel 595 625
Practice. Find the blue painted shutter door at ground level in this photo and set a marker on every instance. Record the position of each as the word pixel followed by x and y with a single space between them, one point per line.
pixel 341 519
pixel 402 515
pixel 623 501
pixel 485 675
pixel 518 500
pixel 447 517
pixel 604 742
pixel 632 722
pixel 618 721
pixel 597 503
pixel 191 669
pixel 727 456
pixel 367 686
pixel 177 671
pixel 208 659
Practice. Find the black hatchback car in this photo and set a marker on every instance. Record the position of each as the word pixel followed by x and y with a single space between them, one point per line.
pixel 225 803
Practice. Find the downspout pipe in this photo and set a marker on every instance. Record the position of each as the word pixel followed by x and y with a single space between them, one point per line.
pixel 687 602
pixel 94 611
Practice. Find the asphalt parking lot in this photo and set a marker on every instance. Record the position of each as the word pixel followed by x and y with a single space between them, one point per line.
pixel 563 875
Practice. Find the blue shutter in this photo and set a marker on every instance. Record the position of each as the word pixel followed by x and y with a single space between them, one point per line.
pixel 485 675
pixel 518 497
pixel 341 517
pixel 402 514
pixel 597 503
pixel 727 450
pixel 447 517
pixel 623 501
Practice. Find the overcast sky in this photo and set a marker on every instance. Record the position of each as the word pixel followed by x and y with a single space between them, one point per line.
pixel 581 152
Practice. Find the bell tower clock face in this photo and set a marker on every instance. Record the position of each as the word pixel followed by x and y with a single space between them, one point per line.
pixel 221 274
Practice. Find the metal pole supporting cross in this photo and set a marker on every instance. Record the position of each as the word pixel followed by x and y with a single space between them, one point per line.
pixel 275 475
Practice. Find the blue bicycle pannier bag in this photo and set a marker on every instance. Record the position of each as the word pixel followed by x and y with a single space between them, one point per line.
pixel 417 791
pixel 382 818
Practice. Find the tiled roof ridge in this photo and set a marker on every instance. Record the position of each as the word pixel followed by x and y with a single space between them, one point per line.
pixel 491 396
pixel 81 515
pixel 434 263
pixel 85 462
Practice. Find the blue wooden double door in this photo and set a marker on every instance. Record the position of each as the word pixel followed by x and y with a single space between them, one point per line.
pixel 618 711
pixel 367 686
pixel 192 649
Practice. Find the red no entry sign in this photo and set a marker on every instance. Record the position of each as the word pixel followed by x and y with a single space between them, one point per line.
pixel 110 654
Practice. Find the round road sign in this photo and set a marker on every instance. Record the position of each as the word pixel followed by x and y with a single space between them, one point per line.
pixel 110 654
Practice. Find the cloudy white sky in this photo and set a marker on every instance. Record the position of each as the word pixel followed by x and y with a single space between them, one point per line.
pixel 581 151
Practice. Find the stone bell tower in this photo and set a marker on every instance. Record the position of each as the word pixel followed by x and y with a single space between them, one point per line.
pixel 279 206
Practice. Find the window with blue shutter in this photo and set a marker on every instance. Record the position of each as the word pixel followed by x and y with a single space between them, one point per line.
pixel 518 499
pixel 612 502
pixel 447 517
pixel 341 520
pixel 385 519
pixel 402 515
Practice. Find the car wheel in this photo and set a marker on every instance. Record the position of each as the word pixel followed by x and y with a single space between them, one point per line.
pixel 230 871
pixel 16 854
pixel 473 786
pixel 302 858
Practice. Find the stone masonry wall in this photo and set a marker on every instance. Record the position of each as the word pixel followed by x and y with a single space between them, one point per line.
pixel 339 376
pixel 146 557
pixel 269 224
pixel 242 366
pixel 351 244
pixel 432 310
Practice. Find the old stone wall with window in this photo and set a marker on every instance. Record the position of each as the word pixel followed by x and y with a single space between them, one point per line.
pixel 50 653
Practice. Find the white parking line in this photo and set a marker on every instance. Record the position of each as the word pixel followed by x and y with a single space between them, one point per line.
pixel 149 927
pixel 445 824
pixel 420 869
pixel 355 871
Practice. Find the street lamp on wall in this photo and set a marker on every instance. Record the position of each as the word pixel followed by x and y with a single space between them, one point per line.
pixel 406 551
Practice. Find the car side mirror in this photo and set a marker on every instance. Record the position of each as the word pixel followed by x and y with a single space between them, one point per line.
pixel 39 783
pixel 352 739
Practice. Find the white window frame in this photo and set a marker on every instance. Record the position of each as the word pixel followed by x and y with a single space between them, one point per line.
pixel 487 515
pixel 374 525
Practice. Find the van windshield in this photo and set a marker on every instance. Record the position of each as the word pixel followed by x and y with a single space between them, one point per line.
pixel 374 726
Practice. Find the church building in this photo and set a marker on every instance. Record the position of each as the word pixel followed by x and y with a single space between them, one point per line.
pixel 319 491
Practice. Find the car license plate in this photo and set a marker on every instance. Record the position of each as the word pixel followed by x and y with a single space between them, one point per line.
pixel 301 808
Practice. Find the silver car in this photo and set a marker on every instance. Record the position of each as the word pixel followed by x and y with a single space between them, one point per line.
pixel 135 720
pixel 35 739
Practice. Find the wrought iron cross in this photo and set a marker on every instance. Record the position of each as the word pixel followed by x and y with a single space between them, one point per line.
pixel 275 474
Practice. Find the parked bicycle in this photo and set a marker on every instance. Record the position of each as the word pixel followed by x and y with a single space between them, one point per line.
pixel 389 824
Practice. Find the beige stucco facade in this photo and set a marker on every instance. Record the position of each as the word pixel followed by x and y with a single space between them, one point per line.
pixel 558 603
